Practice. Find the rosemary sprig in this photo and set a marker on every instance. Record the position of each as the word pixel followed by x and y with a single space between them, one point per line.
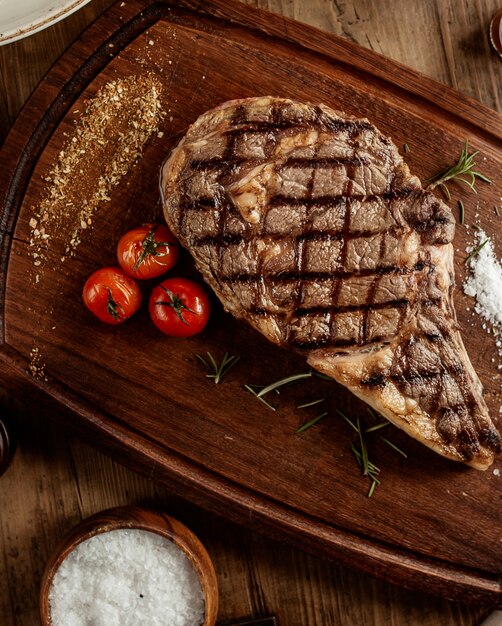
pixel 462 211
pixel 217 372
pixel 463 168
pixel 476 251
pixel 305 426
pixel 368 467
pixel 361 454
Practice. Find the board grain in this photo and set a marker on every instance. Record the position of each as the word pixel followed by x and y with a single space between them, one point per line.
pixel 432 525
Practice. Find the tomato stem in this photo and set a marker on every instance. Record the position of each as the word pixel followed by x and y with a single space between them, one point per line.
pixel 149 247
pixel 176 304
pixel 113 307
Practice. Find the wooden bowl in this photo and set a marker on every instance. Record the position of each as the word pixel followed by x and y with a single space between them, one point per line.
pixel 7 443
pixel 135 517
pixel 495 32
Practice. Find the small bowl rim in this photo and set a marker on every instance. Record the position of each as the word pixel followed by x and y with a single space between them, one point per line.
pixel 133 517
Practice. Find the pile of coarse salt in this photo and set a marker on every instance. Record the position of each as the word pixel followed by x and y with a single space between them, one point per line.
pixel 126 577
pixel 485 284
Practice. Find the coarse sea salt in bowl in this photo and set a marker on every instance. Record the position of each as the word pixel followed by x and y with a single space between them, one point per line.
pixel 129 566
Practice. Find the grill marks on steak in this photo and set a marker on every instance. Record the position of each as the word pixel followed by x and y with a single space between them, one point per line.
pixel 309 226
pixel 316 228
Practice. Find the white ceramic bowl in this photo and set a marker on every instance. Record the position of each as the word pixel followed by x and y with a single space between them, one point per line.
pixel 20 18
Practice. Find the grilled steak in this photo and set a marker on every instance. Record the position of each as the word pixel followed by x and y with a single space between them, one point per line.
pixel 308 225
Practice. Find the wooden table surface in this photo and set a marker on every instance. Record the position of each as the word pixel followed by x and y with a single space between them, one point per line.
pixel 55 480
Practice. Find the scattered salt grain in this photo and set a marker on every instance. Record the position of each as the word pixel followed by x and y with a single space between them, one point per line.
pixel 126 577
pixel 496 472
pixel 36 366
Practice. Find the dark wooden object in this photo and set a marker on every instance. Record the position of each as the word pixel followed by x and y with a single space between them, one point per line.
pixel 7 443
pixel 432 525
pixel 495 30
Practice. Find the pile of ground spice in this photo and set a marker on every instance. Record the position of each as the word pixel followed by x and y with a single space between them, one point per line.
pixel 108 139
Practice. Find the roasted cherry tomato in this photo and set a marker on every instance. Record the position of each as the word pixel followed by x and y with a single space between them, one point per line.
pixel 147 251
pixel 179 307
pixel 111 295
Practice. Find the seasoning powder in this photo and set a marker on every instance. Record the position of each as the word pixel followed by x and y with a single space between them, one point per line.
pixel 126 577
pixel 107 140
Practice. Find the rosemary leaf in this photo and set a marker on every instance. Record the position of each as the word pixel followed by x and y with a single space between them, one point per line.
pixel 446 190
pixel 463 168
pixel 322 376
pixel 364 449
pixel 372 429
pixel 255 394
pixel 394 447
pixel 213 362
pixel 371 490
pixel 373 470
pixel 228 362
pixel 476 251
pixel 481 176
pixel 310 423
pixel 283 381
pixel 349 421
pixel 406 147
pixel 357 454
pixel 469 183
pixel 313 403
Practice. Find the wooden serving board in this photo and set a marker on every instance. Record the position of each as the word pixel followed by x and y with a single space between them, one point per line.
pixel 143 397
